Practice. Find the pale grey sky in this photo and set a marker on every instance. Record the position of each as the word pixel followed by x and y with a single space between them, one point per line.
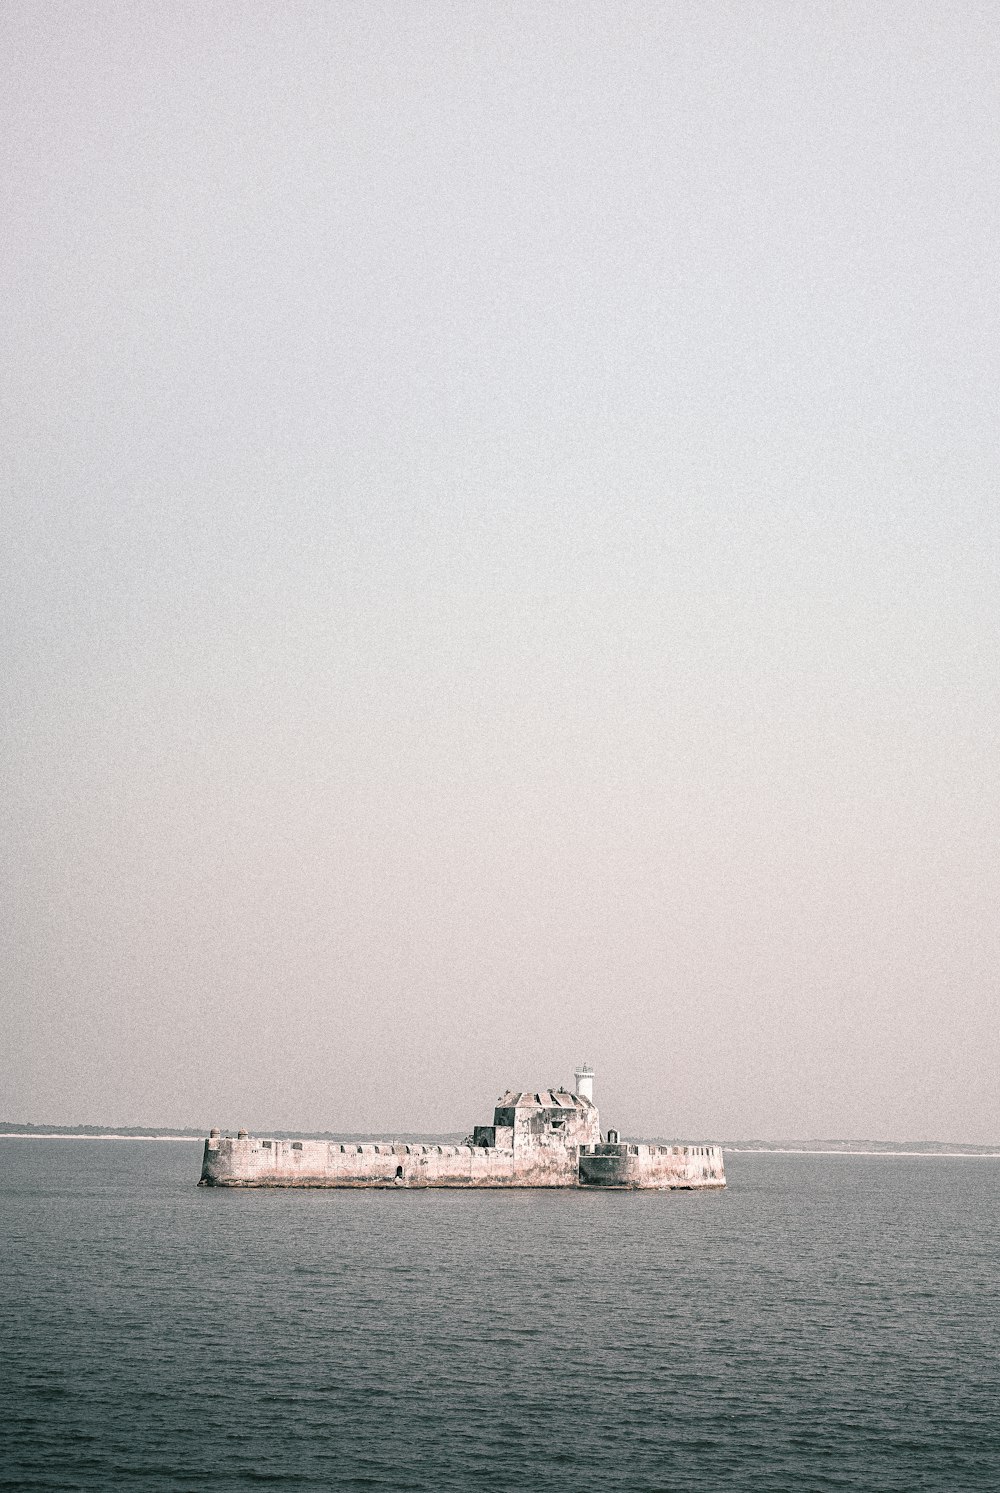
pixel 499 563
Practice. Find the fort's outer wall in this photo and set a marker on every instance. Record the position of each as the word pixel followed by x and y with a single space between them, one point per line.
pixel 624 1165
pixel 249 1162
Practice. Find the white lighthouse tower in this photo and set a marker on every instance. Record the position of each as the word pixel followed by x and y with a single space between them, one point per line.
pixel 584 1076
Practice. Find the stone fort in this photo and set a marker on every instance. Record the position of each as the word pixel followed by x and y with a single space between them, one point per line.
pixel 544 1138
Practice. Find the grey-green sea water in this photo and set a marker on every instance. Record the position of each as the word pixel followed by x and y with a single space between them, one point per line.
pixel 827 1322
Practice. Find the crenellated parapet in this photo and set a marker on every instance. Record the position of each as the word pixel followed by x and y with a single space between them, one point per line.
pixel 251 1162
pixel 642 1164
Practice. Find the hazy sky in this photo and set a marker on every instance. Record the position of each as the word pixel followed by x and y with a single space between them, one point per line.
pixel 499 563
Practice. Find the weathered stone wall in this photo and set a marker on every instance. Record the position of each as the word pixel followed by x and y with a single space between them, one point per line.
pixel 543 1158
pixel 638 1165
pixel 249 1162
pixel 501 1136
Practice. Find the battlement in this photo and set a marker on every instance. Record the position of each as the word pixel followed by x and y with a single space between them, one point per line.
pixel 640 1164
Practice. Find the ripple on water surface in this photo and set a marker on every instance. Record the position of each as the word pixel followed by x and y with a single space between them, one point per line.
pixel 827 1322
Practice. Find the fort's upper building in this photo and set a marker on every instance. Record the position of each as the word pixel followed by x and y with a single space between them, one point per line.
pixel 540 1128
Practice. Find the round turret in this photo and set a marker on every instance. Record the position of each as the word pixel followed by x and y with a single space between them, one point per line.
pixel 585 1081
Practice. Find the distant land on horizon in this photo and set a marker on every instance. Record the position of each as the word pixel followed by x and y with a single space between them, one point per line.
pixel 806 1147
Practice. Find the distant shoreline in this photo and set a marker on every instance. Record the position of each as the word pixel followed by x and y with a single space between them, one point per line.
pixel 845 1151
pixel 886 1150
pixel 80 1135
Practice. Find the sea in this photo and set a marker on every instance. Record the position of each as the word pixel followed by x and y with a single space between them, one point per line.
pixel 827 1322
